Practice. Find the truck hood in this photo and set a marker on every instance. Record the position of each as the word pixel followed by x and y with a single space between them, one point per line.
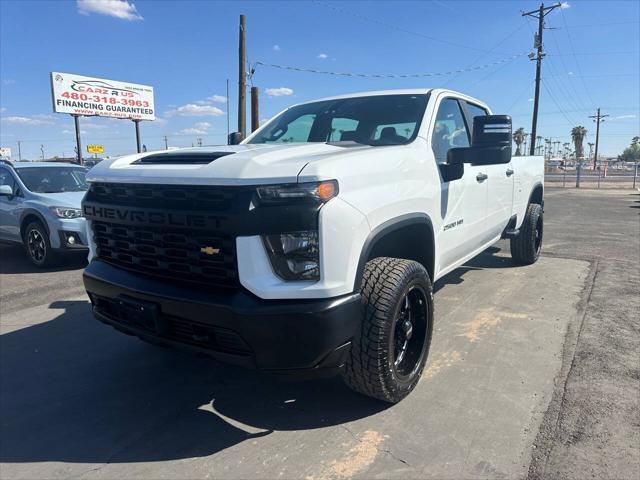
pixel 229 165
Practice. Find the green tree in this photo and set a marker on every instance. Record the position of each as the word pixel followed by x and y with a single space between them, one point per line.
pixel 632 152
pixel 577 135
pixel 518 138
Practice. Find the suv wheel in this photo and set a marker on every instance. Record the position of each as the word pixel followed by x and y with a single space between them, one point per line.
pixel 36 242
pixel 390 350
pixel 526 247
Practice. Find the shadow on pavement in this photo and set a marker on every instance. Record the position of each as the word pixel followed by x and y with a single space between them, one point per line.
pixel 74 390
pixel 487 259
pixel 15 260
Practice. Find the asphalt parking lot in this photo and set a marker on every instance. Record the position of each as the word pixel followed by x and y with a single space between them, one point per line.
pixel 534 372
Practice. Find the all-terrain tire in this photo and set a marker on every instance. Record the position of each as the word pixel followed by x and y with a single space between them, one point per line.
pixel 387 285
pixel 37 245
pixel 526 246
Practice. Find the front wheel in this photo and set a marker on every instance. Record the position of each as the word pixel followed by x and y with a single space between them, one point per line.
pixel 526 246
pixel 36 242
pixel 391 347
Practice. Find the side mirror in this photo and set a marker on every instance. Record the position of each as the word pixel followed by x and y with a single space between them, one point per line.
pixel 454 168
pixel 490 143
pixel 6 191
pixel 234 138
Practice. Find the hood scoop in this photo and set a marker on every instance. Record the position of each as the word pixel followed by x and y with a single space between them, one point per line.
pixel 181 158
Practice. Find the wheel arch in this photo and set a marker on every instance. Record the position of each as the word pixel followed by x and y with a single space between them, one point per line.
pixel 409 236
pixel 537 194
pixel 29 215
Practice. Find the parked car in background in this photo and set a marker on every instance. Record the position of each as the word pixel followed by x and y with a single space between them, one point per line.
pixel 40 208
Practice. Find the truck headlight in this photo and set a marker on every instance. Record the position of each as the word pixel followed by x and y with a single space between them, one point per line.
pixel 297 192
pixel 294 255
pixel 64 212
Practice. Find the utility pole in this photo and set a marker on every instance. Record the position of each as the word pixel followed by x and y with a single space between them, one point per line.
pixel 166 143
pixel 199 140
pixel 597 118
pixel 42 151
pixel 539 14
pixel 255 109
pixel 228 132
pixel 242 78
pixel 19 151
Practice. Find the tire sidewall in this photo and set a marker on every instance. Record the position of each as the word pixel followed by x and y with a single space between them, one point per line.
pixel 46 260
pixel 535 216
pixel 400 386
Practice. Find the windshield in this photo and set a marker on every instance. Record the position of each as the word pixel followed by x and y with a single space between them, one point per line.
pixel 53 179
pixel 375 120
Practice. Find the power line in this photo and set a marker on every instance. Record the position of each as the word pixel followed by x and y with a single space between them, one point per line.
pixel 564 20
pixel 388 75
pixel 399 29
pixel 553 99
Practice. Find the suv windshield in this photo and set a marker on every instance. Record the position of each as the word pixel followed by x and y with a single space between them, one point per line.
pixel 53 179
pixel 375 120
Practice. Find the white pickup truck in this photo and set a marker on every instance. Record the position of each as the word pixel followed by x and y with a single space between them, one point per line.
pixel 313 245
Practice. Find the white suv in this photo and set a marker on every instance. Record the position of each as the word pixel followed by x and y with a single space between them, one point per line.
pixel 313 245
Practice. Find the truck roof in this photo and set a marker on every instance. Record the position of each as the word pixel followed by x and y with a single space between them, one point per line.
pixel 401 91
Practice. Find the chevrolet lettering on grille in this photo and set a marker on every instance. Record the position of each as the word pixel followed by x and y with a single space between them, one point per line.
pixel 151 217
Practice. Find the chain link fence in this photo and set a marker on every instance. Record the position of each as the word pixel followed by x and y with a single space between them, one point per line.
pixel 584 177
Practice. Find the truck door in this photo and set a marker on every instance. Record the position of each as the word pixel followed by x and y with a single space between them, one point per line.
pixel 499 184
pixel 463 202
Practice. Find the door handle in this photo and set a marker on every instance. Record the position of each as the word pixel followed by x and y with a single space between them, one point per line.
pixel 509 172
pixel 481 177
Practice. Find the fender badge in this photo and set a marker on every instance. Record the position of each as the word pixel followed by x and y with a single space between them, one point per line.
pixel 210 250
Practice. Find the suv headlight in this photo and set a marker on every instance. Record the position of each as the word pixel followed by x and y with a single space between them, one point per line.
pixel 294 255
pixel 64 212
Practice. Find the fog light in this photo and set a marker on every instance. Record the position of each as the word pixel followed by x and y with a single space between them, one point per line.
pixel 71 240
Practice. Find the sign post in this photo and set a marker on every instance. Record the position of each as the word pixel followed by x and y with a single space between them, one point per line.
pixel 76 119
pixel 137 124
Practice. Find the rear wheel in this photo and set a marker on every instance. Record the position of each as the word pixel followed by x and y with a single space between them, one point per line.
pixel 36 242
pixel 526 246
pixel 390 350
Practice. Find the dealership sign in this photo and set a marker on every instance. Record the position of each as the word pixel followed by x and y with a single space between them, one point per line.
pixel 5 152
pixel 79 95
pixel 95 148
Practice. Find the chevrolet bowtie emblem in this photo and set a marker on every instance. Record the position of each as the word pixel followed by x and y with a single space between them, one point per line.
pixel 210 250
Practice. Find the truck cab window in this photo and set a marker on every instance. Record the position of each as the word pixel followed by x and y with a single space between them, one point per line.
pixel 450 130
pixel 475 111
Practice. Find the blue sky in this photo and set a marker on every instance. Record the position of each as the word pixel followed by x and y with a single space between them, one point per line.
pixel 187 50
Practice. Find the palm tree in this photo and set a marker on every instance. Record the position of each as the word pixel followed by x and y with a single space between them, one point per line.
pixel 518 138
pixel 539 145
pixel 577 135
pixel 566 149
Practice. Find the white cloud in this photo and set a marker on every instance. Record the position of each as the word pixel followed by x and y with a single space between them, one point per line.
pixel 565 5
pixel 276 48
pixel 69 132
pixel 530 100
pixel 200 128
pixel 2 109
pixel 278 92
pixel 217 99
pixel 195 110
pixel 623 117
pixel 323 56
pixel 121 9
pixel 33 120
pixel 569 73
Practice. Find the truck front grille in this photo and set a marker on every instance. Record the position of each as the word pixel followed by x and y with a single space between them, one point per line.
pixel 198 253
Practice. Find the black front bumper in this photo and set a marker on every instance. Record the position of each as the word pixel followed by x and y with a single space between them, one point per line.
pixel 281 335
